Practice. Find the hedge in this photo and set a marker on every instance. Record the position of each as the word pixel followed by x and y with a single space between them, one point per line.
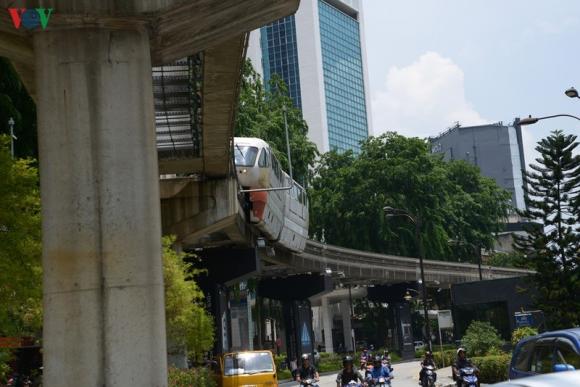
pixel 493 368
pixel 330 362
pixel 195 377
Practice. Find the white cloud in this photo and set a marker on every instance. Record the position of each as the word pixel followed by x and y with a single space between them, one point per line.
pixel 423 98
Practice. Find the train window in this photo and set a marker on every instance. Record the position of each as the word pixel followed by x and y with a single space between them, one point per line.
pixel 245 156
pixel 263 160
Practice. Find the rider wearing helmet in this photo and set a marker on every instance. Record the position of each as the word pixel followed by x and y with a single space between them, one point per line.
pixel 378 370
pixel 348 373
pixel 461 362
pixel 387 355
pixel 427 361
pixel 307 371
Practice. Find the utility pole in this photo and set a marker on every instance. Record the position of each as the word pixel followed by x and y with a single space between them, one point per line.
pixel 417 221
pixel 12 136
pixel 419 243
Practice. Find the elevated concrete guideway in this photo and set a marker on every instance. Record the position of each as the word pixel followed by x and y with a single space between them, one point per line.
pixel 361 266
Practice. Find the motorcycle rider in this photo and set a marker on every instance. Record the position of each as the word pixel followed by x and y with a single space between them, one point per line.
pixel 462 362
pixel 348 373
pixel 387 360
pixel 387 356
pixel 427 361
pixel 378 370
pixel 307 371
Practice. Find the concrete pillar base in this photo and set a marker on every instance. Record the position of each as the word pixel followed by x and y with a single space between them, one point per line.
pixel 327 325
pixel 104 321
pixel 346 325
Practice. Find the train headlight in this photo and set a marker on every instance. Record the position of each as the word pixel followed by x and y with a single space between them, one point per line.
pixel 244 170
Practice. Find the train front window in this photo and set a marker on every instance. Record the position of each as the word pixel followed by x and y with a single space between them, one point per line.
pixel 245 156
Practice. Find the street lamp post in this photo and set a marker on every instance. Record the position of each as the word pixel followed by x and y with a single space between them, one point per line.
pixel 572 93
pixel 532 120
pixel 12 136
pixel 391 212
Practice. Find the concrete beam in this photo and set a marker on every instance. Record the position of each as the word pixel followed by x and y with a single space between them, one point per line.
pixel 222 74
pixel 202 212
pixel 198 25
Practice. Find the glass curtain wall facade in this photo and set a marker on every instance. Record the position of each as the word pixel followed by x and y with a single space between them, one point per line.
pixel 343 78
pixel 280 55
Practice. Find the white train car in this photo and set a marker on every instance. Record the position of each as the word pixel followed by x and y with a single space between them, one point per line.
pixel 280 215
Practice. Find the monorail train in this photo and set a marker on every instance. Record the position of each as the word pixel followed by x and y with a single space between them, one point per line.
pixel 281 215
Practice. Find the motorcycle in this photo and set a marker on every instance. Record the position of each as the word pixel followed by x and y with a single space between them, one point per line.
pixel 429 376
pixel 380 382
pixel 308 383
pixel 468 377
pixel 352 383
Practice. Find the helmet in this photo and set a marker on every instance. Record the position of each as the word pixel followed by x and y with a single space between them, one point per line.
pixel 428 354
pixel 347 360
pixel 305 356
pixel 461 350
pixel 377 359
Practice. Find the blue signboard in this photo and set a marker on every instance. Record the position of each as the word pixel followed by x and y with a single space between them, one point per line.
pixel 524 320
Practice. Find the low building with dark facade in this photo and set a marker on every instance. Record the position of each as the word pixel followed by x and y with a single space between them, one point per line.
pixel 496 301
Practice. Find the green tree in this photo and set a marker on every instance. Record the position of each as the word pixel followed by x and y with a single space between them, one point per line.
pixel 480 338
pixel 551 192
pixel 260 114
pixel 513 259
pixel 477 208
pixel 16 103
pixel 20 247
pixel 189 325
pixel 348 193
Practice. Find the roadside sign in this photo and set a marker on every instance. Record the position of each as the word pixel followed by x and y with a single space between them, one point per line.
pixel 524 319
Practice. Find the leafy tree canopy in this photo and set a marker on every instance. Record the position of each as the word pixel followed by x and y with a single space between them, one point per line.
pixel 552 196
pixel 457 207
pixel 260 114
pixel 20 246
pixel 189 325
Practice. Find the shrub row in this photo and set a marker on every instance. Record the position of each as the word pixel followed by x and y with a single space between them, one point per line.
pixel 195 377
pixel 492 368
pixel 330 362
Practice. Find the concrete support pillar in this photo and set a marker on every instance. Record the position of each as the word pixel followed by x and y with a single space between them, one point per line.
pixel 346 324
pixel 326 311
pixel 104 321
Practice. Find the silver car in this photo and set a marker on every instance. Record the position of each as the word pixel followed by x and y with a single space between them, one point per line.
pixel 557 379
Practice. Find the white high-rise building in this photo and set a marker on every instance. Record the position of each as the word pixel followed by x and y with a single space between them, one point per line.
pixel 320 54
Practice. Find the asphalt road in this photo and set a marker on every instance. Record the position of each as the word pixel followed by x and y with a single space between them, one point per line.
pixel 406 375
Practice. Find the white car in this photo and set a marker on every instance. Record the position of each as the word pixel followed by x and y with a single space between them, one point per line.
pixel 556 379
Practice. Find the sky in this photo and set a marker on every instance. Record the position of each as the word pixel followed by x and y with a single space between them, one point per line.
pixel 432 63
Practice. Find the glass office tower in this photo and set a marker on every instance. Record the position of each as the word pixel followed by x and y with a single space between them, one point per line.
pixel 343 78
pixel 280 55
pixel 319 52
